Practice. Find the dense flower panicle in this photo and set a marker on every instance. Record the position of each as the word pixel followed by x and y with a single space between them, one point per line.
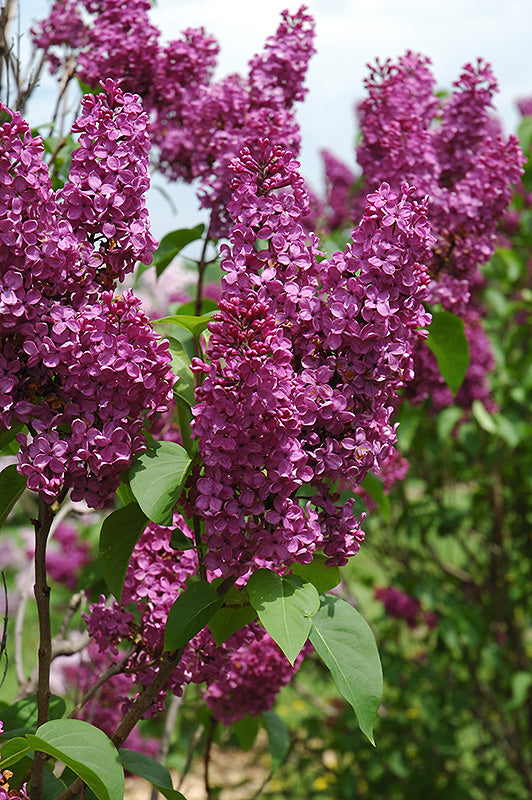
pixel 399 605
pixel 395 120
pixel 248 420
pixel 247 675
pixel 242 676
pixel 305 358
pixel 219 119
pixel 277 76
pixel 121 44
pixel 62 33
pixel 104 196
pixel 67 556
pixel 453 152
pixel 81 369
pixel 525 106
pixel 199 125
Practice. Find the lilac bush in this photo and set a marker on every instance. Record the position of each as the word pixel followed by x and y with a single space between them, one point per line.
pixel 234 501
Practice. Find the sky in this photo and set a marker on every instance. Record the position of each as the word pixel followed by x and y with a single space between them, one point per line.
pixel 349 34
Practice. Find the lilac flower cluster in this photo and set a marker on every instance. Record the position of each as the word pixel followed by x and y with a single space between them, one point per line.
pixel 198 125
pixel 67 556
pixel 242 676
pixel 452 151
pixel 455 153
pixel 305 357
pixel 79 367
pixel 399 605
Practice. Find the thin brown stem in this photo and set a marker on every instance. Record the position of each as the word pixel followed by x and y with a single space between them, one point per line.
pixel 199 547
pixel 202 264
pixel 42 599
pixel 207 758
pixel 174 704
pixel 114 669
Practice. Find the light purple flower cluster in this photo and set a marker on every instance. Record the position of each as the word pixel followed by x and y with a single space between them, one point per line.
pixel 82 369
pixel 198 125
pixel 242 676
pixel 305 358
pixel 455 153
pixel 66 556
pixel 399 605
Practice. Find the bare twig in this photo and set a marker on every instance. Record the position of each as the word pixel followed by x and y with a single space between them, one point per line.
pixel 114 669
pixel 42 599
pixel 174 704
pixel 19 630
pixel 207 757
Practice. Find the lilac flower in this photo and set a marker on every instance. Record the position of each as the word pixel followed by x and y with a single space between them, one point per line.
pixel 453 152
pixel 80 368
pixel 242 676
pixel 198 125
pixel 304 360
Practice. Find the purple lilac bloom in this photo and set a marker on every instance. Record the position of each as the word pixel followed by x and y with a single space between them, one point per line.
pixel 242 676
pixel 399 605
pixel 198 125
pixel 453 152
pixel 305 358
pixel 80 368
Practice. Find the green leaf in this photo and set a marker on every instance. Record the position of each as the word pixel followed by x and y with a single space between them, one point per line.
pixel 229 620
pixel 8 444
pixel 120 533
pixel 483 417
pixel 284 605
pixel 13 750
pixel 11 487
pixel 150 769
pixel 21 717
pixel 448 342
pixel 52 786
pixel 172 244
pixel 86 89
pixel 196 325
pixel 184 416
pixel 345 643
pixel 179 541
pixel 278 738
pixel 520 683
pixel 157 477
pixel 86 750
pixel 190 308
pixel 318 573
pixel 180 366
pixel 524 133
pixel 373 486
pixel 190 613
pixel 246 731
